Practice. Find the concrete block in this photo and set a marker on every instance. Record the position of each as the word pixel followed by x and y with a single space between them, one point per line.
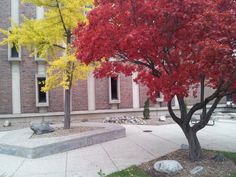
pixel 34 148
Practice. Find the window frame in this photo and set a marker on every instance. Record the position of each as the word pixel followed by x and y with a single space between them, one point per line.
pixel 114 101
pixel 10 58
pixel 160 98
pixel 36 58
pixel 38 104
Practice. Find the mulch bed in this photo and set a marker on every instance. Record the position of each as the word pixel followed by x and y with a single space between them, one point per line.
pixel 211 167
pixel 64 132
pixel 151 121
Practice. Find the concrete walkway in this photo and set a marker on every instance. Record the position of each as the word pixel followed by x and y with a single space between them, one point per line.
pixel 115 155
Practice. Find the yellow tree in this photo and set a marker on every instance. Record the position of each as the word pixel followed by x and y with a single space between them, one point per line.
pixel 51 38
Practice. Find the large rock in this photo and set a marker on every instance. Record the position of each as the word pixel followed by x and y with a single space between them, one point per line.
pixel 219 157
pixel 168 166
pixel 6 123
pixel 41 128
pixel 162 118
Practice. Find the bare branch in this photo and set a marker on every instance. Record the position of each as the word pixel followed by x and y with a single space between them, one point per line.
pixel 200 105
pixel 202 77
pixel 173 115
pixel 149 64
pixel 205 119
pixel 61 17
pixel 182 106
pixel 59 46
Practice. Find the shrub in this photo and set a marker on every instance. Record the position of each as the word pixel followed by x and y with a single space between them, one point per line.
pixel 146 111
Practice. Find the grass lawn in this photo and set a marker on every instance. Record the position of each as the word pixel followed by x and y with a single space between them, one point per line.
pixel 232 156
pixel 134 171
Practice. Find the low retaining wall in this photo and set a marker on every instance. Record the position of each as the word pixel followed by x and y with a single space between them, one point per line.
pixel 57 117
pixel 19 143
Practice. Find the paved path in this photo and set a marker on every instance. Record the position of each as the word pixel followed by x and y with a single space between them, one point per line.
pixel 115 155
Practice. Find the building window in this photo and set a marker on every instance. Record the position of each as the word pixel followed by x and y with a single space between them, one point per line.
pixel 229 100
pixel 159 97
pixel 13 53
pixel 37 56
pixel 114 90
pixel 41 97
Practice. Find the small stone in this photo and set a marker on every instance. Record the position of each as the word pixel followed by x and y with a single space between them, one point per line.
pixel 168 166
pixel 84 120
pixel 41 128
pixel 184 147
pixel 6 123
pixel 162 118
pixel 196 170
pixel 219 157
pixel 124 120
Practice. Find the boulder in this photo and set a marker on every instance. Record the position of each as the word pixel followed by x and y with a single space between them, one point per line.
pixel 6 123
pixel 168 166
pixel 162 118
pixel 219 157
pixel 41 128
pixel 196 170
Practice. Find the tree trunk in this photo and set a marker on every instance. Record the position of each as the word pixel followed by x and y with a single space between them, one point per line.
pixel 67 109
pixel 195 151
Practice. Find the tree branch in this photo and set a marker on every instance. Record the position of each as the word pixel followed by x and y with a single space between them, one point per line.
pixel 204 120
pixel 59 46
pixel 182 107
pixel 202 77
pixel 200 105
pixel 149 64
pixel 61 17
pixel 173 115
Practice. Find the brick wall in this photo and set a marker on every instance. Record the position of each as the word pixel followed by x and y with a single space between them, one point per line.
pixel 142 95
pixel 5 66
pixel 102 94
pixel 80 96
pixel 27 83
pixel 56 97
pixel 126 92
pixel 28 69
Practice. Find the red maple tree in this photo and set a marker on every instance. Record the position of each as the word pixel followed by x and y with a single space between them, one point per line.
pixel 175 46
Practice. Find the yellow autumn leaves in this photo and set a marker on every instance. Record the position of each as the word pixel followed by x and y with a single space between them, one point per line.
pixel 60 70
pixel 48 39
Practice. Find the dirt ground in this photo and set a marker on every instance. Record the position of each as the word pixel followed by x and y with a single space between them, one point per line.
pixel 211 167
pixel 151 121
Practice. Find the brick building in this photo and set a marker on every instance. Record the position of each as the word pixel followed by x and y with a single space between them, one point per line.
pixel 21 76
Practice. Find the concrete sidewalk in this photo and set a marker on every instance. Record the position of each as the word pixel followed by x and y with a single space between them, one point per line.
pixel 115 155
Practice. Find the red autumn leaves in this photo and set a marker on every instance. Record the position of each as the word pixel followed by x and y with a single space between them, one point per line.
pixel 170 43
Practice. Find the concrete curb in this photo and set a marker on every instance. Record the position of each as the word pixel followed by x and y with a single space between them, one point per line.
pixel 23 146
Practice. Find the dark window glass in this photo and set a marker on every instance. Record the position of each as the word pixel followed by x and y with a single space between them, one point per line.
pixel 114 88
pixel 42 97
pixel 158 95
pixel 229 98
pixel 14 52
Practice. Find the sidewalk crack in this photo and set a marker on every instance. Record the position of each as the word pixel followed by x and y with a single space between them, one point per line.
pixel 109 157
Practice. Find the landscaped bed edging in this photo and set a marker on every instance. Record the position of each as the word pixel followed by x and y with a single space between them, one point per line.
pixel 18 142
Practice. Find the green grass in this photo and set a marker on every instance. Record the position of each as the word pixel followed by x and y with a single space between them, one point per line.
pixel 232 175
pixel 132 171
pixel 232 156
